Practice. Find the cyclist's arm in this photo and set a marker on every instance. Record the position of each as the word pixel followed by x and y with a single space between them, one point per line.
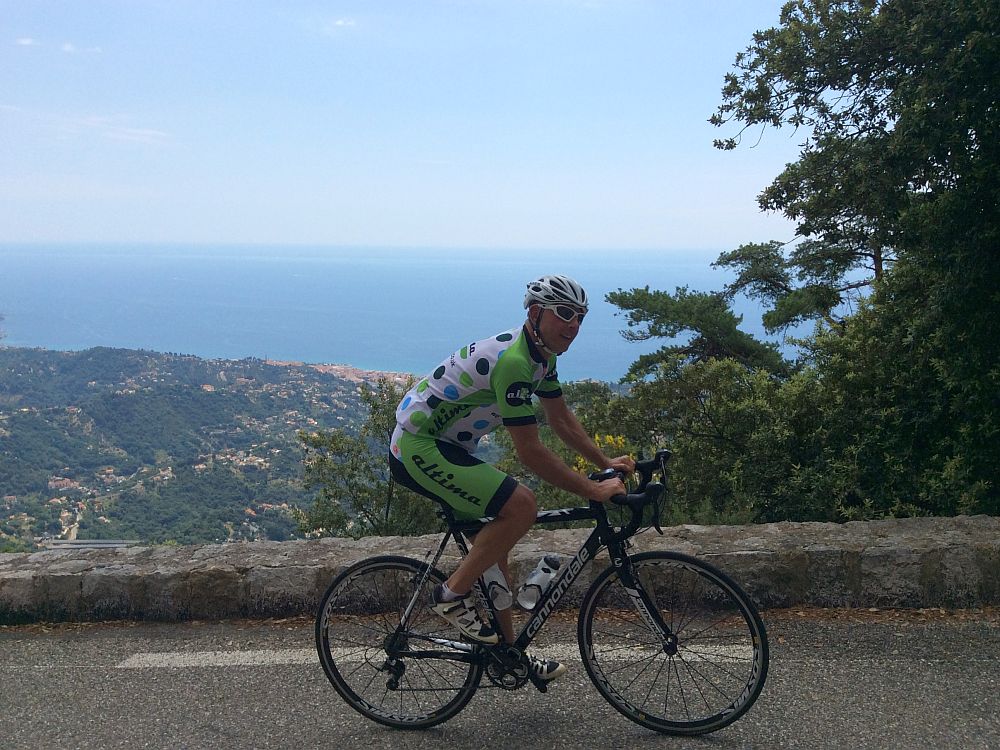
pixel 565 424
pixel 552 469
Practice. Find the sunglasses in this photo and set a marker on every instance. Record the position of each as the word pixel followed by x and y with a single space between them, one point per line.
pixel 566 313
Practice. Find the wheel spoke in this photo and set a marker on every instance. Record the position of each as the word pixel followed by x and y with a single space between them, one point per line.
pixel 361 609
pixel 702 674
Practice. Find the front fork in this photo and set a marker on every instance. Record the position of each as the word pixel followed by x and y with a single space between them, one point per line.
pixel 641 599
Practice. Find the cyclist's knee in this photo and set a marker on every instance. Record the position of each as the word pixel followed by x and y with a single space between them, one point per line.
pixel 521 506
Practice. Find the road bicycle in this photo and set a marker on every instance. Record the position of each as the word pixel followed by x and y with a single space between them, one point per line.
pixel 669 640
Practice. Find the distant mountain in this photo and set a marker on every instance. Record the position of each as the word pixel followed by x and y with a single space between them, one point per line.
pixel 116 443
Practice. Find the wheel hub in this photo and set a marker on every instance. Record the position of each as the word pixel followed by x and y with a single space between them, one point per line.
pixel 670 645
pixel 395 642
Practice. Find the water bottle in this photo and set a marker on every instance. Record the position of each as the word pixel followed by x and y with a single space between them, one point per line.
pixel 537 581
pixel 497 588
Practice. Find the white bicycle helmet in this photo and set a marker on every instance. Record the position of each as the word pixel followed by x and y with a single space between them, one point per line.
pixel 554 290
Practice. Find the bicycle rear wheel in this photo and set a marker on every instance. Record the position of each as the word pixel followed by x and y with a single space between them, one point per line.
pixel 357 627
pixel 701 680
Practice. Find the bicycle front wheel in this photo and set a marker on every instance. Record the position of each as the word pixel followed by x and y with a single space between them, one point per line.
pixel 699 675
pixel 408 678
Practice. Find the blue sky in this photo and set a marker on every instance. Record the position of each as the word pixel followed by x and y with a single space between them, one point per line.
pixel 448 123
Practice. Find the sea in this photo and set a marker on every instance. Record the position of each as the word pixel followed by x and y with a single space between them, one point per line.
pixel 384 309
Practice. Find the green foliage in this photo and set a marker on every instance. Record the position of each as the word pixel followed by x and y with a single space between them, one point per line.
pixel 126 418
pixel 14 545
pixel 706 317
pixel 865 81
pixel 895 410
pixel 357 495
pixel 157 447
pixel 158 514
pixel 737 434
pixel 920 437
pixel 35 446
pixel 821 284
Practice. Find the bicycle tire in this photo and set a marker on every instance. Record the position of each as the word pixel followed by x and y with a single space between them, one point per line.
pixel 357 614
pixel 720 658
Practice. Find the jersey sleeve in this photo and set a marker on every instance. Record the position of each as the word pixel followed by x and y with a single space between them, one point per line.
pixel 511 383
pixel 550 386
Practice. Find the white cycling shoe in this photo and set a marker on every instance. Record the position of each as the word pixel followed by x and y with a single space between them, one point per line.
pixel 462 614
pixel 545 669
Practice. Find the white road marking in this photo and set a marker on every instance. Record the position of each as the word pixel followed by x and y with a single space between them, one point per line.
pixel 163 659
pixel 564 652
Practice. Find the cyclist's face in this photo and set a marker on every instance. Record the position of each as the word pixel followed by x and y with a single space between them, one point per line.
pixel 558 334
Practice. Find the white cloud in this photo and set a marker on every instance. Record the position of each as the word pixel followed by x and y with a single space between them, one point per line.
pixel 68 128
pixel 338 25
pixel 71 49
pixel 136 135
pixel 109 128
pixel 68 47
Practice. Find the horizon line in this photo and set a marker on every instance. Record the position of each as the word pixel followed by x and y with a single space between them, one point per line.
pixel 125 244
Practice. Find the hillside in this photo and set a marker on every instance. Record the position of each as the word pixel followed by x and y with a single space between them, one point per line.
pixel 114 443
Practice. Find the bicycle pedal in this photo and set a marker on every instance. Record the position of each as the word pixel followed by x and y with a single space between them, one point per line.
pixel 540 685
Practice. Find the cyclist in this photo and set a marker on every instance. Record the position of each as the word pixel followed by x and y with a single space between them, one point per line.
pixel 442 418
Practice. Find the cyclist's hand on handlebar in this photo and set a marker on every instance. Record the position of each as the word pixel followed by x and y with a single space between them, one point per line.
pixel 624 464
pixel 601 492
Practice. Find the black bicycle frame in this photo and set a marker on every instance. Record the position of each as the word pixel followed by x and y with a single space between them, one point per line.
pixel 603 535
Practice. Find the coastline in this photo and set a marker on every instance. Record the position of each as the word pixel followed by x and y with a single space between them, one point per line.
pixel 347 372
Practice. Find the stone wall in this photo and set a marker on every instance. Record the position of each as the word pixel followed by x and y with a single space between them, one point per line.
pixel 918 562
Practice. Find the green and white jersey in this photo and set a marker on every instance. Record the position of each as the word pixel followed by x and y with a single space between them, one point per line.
pixel 479 387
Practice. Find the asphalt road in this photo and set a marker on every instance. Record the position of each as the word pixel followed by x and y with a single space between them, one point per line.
pixel 839 679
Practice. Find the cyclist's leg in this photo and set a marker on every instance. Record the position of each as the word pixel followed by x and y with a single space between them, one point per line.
pixel 492 545
pixel 473 489
pixel 496 539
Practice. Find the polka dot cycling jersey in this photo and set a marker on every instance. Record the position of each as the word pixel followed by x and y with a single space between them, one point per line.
pixel 477 388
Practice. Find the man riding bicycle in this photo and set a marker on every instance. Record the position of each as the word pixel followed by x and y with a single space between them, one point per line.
pixel 441 420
